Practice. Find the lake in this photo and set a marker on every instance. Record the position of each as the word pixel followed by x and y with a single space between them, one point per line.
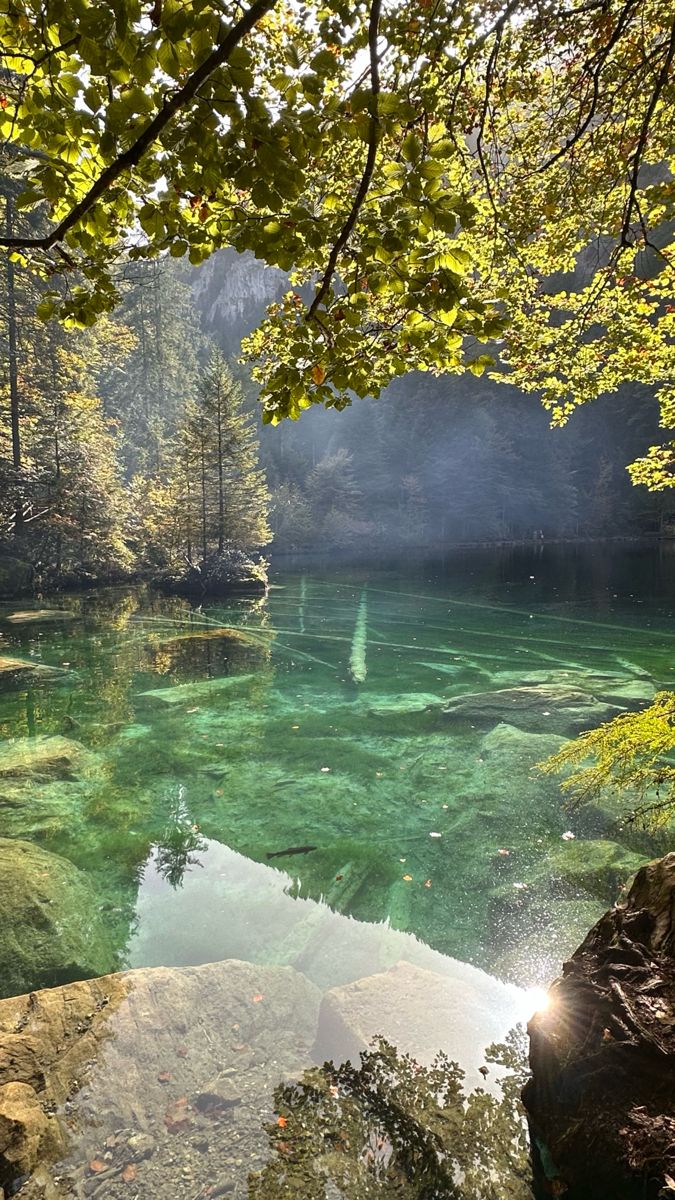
pixel 339 778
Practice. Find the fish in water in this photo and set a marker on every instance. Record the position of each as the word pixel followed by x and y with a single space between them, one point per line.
pixel 290 850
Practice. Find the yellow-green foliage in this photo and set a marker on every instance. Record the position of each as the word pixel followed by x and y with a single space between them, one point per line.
pixel 630 754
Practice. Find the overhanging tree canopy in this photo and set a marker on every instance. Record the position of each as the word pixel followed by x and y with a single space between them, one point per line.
pixel 440 177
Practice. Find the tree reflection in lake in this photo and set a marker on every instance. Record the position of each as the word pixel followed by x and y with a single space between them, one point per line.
pixel 392 1128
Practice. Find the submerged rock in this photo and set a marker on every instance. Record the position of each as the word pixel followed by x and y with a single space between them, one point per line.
pixel 32 615
pixel 601 1101
pixel 421 1013
pixel 202 689
pixel 549 708
pixel 50 929
pixel 19 669
pixel 43 758
pixel 593 866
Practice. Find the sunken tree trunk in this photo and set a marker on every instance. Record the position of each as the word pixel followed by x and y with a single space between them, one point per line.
pixel 601 1101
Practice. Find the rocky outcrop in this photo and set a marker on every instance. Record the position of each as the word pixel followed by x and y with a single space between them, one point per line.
pixel 232 573
pixel 50 927
pixel 601 1101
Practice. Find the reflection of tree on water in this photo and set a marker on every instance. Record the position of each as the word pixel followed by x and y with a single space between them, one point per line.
pixel 394 1129
pixel 178 844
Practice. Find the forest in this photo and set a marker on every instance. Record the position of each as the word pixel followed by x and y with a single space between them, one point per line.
pixel 138 446
pixel 337 546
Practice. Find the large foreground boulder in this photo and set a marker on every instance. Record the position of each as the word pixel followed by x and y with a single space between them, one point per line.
pixel 601 1101
pixel 50 927
pixel 162 1078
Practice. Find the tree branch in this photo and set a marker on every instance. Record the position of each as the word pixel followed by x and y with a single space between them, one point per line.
pixel 644 134
pixel 131 157
pixel 366 178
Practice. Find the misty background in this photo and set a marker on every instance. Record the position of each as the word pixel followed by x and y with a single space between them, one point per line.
pixel 435 461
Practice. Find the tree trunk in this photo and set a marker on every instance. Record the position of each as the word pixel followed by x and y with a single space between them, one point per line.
pixel 221 493
pixel 15 415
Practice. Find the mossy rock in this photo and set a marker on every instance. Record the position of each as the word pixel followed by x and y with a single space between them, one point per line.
pixel 598 867
pixel 50 928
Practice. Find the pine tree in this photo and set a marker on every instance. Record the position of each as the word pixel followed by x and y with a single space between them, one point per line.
pixel 218 487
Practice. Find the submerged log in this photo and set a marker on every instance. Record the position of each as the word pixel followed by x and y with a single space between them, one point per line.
pixel 601 1100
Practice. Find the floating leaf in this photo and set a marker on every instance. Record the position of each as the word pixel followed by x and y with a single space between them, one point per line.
pixel 407 878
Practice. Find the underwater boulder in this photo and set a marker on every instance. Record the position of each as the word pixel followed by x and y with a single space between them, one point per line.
pixel 422 1013
pixel 597 867
pixel 44 758
pixel 601 1099
pixel 50 927
pixel 539 708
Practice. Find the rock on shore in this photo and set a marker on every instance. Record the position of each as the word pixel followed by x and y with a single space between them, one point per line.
pixel 601 1101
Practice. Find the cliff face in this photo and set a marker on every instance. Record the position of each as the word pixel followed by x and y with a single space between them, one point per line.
pixel 232 291
pixel 601 1101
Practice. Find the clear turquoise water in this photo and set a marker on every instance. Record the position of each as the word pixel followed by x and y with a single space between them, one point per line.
pixel 315 719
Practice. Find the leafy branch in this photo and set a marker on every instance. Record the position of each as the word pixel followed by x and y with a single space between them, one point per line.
pixel 131 157
pixel 631 755
pixel 366 178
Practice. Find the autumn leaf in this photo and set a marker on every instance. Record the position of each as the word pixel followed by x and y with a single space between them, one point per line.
pixel 129 1173
pixel 407 878
pixel 257 998
pixel 97 1164
pixel 318 374
pixel 3 102
pixel 282 1122
pixel 164 1077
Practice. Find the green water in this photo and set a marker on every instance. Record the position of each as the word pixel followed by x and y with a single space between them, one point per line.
pixel 314 717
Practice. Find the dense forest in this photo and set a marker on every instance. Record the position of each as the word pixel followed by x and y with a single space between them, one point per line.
pixel 137 444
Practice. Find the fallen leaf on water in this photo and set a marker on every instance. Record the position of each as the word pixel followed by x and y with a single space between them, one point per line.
pixel 219 791
pixel 282 1122
pixel 427 883
pixel 97 1164
pixel 568 836
pixel 257 998
pixel 435 835
pixel 407 878
pixel 503 852
pixel 129 1173
pixel 191 710
pixel 338 878
pixel 325 770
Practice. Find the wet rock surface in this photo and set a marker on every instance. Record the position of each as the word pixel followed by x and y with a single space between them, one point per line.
pixel 161 1078
pixel 601 1101
pixel 50 928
